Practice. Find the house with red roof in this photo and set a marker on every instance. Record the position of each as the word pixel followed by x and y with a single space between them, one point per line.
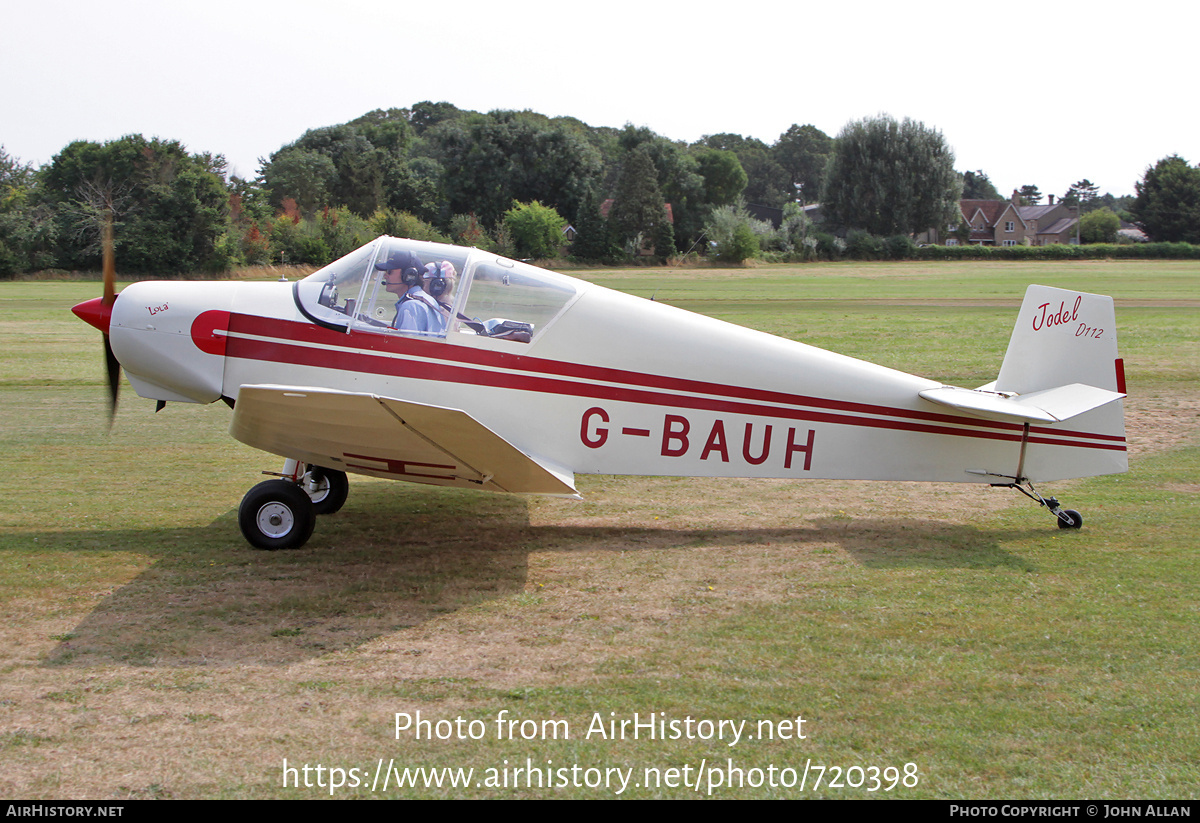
pixel 1008 223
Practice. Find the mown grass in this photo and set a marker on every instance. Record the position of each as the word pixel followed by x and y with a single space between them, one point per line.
pixel 148 652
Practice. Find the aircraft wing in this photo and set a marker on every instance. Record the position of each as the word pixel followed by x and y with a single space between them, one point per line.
pixel 388 437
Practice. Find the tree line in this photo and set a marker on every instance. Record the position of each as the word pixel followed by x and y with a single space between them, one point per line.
pixel 510 182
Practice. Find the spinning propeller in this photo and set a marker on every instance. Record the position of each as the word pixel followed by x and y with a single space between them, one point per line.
pixel 98 312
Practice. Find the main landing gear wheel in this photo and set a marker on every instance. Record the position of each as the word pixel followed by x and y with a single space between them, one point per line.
pixel 327 488
pixel 276 514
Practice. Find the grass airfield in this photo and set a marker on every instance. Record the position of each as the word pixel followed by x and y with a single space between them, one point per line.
pixel 148 652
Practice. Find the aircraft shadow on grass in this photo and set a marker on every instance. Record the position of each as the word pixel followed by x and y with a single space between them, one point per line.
pixel 207 600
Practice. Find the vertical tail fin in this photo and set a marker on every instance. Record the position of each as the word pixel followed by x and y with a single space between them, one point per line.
pixel 1062 337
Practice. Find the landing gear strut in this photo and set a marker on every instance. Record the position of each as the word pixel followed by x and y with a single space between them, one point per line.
pixel 1067 518
pixel 281 514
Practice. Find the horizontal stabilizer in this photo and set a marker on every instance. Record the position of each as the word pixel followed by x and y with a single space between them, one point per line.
pixel 1046 406
pixel 388 437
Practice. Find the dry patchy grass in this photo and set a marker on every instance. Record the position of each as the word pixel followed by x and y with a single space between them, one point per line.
pixel 182 677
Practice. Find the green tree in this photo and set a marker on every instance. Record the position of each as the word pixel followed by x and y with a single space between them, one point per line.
pixel 678 178
pixel 724 177
pixel 638 206
pixel 796 234
pixel 361 166
pixel 1030 195
pixel 735 233
pixel 13 173
pixel 536 230
pixel 466 230
pixel 505 156
pixel 1167 205
pixel 304 175
pixel 171 206
pixel 977 186
pixel 595 238
pixel 425 115
pixel 1081 194
pixel 1099 226
pixel 803 152
pixel 27 230
pixel 1118 205
pixel 767 182
pixel 403 224
pixel 891 177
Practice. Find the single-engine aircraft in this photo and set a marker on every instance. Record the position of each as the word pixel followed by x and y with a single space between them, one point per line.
pixel 454 367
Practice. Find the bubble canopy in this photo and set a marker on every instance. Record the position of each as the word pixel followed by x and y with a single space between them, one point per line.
pixel 436 291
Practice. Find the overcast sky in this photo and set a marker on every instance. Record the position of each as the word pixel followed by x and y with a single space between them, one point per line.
pixel 1044 93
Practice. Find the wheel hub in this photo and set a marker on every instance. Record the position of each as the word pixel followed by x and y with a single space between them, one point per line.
pixel 275 520
pixel 318 489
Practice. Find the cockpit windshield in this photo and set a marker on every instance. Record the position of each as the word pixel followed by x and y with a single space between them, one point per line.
pixel 431 290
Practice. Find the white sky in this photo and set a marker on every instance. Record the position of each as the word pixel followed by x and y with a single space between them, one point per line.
pixel 1070 90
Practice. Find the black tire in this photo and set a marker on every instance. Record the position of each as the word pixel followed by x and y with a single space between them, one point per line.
pixel 276 514
pixel 1075 519
pixel 327 488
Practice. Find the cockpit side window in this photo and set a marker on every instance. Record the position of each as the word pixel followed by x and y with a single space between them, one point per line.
pixel 430 290
pixel 413 290
pixel 389 285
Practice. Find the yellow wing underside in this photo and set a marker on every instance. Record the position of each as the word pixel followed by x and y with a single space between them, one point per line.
pixel 390 438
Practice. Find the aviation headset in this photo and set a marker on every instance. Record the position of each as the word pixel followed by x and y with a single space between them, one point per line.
pixel 406 263
pixel 437 281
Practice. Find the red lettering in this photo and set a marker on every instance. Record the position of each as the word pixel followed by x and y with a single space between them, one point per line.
pixel 672 434
pixel 716 442
pixel 766 446
pixel 1036 325
pixel 806 449
pixel 600 436
pixel 1058 318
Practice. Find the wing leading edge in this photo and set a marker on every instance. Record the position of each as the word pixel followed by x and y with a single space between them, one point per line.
pixel 390 438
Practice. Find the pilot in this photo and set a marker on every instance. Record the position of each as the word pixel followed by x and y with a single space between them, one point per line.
pixel 427 310
pixel 402 277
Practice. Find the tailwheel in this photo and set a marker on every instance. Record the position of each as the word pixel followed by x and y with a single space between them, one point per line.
pixel 1069 519
pixel 327 488
pixel 1066 518
pixel 276 514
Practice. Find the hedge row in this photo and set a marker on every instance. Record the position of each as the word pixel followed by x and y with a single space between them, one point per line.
pixel 1093 251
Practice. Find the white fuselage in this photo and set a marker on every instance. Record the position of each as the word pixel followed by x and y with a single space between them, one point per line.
pixel 615 384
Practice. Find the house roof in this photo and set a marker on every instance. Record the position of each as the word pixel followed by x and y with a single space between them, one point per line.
pixel 1060 226
pixel 1035 212
pixel 992 211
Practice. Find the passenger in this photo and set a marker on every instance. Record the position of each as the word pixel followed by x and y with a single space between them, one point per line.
pixel 438 282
